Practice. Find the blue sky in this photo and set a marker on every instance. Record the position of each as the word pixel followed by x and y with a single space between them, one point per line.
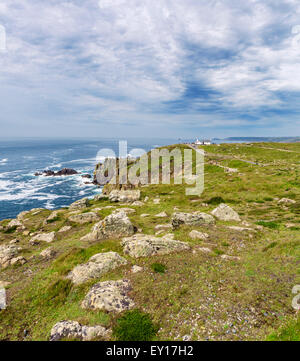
pixel 163 68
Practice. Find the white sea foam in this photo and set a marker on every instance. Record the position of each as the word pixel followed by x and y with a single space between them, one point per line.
pixel 3 161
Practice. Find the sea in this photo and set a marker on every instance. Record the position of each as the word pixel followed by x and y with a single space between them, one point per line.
pixel 20 159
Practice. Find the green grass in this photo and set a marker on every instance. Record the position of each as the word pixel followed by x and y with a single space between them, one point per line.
pixel 291 332
pixel 158 268
pixel 134 326
pixel 200 294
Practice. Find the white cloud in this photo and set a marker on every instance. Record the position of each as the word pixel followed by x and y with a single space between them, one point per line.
pixel 117 59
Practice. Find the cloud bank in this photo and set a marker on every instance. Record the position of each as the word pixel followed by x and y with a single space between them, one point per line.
pixel 156 68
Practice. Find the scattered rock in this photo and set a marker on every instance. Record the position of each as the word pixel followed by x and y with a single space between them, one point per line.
pixel 80 204
pixel 124 196
pixel 204 250
pixel 100 197
pixel 15 223
pixel 87 176
pixel 83 218
pixel 286 201
pixel 225 213
pixel 116 225
pixel 14 241
pixel 137 204
pixel 48 253
pixel 241 229
pixel 7 254
pixel 161 215
pixel 26 233
pixel 187 338
pixel 43 237
pixel 97 265
pixel 146 199
pixel 53 216
pixel 230 258
pixel 144 215
pixel 18 261
pixel 62 172
pixel 141 245
pixel 109 296
pixel 136 269
pixel 73 330
pixel 65 229
pixel 192 219
pixel 156 201
pixel 160 227
pixel 126 210
pixel 2 299
pixel 4 284
pixel 21 216
pixel 196 235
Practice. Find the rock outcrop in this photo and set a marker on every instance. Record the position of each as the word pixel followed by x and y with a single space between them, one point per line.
pixel 124 196
pixel 83 218
pixel 192 219
pixel 62 172
pixel 116 225
pixel 111 296
pixel 43 237
pixel 9 256
pixel 80 204
pixel 97 265
pixel 225 213
pixel 74 330
pixel 141 245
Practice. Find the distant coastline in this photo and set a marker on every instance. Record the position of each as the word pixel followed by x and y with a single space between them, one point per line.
pixel 259 139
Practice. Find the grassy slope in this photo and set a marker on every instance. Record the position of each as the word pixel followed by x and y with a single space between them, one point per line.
pixel 199 294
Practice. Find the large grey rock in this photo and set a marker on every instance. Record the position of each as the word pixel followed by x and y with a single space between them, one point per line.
pixel 97 265
pixel 124 196
pixel 116 225
pixel 141 245
pixel 109 296
pixel 43 237
pixel 83 218
pixel 73 330
pixel 192 219
pixel 80 204
pixel 8 255
pixel 225 213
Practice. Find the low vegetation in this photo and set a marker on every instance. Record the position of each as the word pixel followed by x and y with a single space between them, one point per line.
pixel 234 285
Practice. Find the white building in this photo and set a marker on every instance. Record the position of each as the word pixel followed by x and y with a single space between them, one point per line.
pixel 203 142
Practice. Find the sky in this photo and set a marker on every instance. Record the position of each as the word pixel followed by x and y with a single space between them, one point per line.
pixel 163 68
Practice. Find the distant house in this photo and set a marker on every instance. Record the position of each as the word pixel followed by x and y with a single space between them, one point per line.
pixel 203 142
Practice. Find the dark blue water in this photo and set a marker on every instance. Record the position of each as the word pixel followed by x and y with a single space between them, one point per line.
pixel 20 190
